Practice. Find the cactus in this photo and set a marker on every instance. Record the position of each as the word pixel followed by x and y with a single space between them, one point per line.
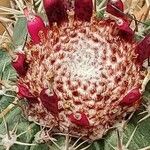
pixel 76 80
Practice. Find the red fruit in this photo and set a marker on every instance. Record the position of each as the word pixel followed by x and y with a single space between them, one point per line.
pixel 124 29
pixel 79 119
pixel 131 97
pixel 35 24
pixel 56 10
pixel 24 92
pixel 50 101
pixel 114 7
pixel 20 64
pixel 83 9
pixel 143 49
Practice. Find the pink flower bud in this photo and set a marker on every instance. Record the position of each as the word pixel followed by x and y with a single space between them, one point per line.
pixel 83 9
pixel 56 10
pixel 49 101
pixel 124 29
pixel 79 119
pixel 35 24
pixel 131 97
pixel 143 49
pixel 23 92
pixel 115 7
pixel 20 64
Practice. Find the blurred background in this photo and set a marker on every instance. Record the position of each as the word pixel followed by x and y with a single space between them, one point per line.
pixel 5 3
